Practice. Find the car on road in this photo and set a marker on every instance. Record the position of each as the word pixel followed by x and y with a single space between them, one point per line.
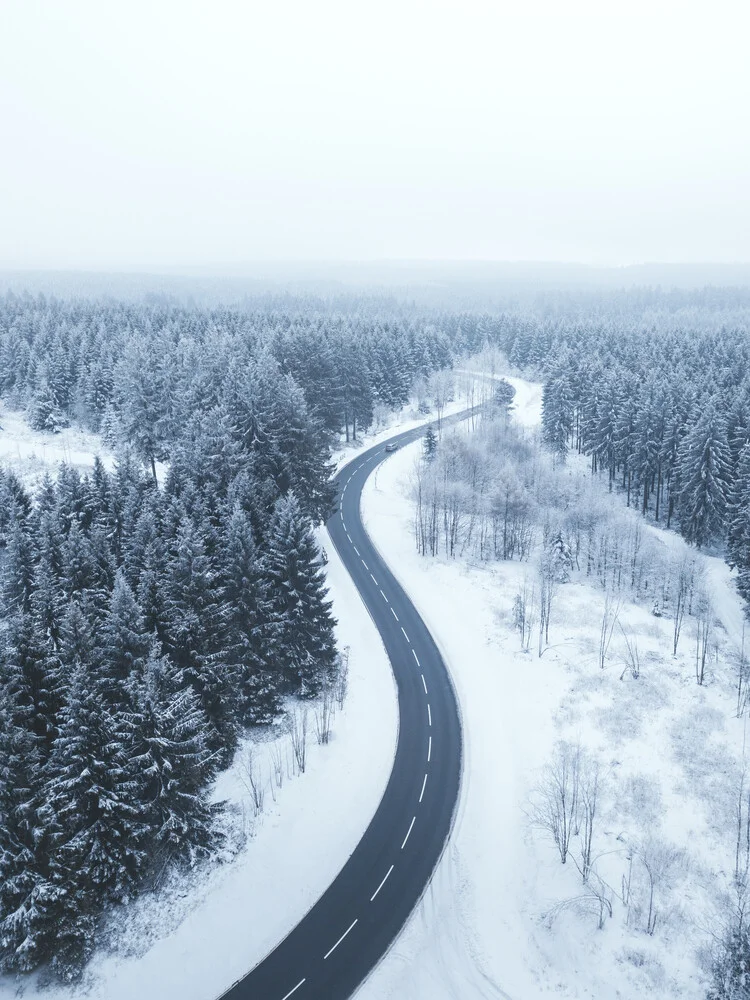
pixel 391 446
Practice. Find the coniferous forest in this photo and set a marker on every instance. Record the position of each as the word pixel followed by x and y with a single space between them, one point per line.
pixel 145 626
pixel 152 614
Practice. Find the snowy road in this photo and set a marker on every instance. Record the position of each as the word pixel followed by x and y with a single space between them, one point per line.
pixel 341 939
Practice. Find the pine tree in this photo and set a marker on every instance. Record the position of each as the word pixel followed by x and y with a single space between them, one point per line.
pixel 704 477
pixel 17 570
pixel 738 541
pixel 430 444
pixel 45 413
pixel 30 680
pixel 97 830
pixel 26 927
pixel 171 762
pixel 557 415
pixel 249 630
pixel 304 643
pixel 196 620
pixel 124 643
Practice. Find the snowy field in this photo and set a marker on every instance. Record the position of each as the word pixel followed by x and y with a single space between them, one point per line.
pixel 503 917
pixel 32 454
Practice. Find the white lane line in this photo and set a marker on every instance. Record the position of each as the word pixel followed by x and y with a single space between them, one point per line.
pixel 405 635
pixel 424 684
pixel 341 514
pixel 429 714
pixel 394 614
pixel 373 579
pixel 348 536
pixel 294 990
pixel 415 657
pixel 381 884
pixel 383 596
pixel 365 564
pixel 421 794
pixel 340 940
pixel 356 549
pixel 408 832
pixel 429 750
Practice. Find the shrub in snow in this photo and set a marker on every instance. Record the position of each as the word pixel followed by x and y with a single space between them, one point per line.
pixel 731 972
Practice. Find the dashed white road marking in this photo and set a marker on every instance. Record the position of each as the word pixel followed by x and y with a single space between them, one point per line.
pixel 429 714
pixel 373 579
pixel 383 596
pixel 405 635
pixel 330 952
pixel 394 614
pixel 341 514
pixel 424 684
pixel 294 990
pixel 408 832
pixel 429 749
pixel 365 565
pixel 356 549
pixel 421 794
pixel 415 657
pixel 381 884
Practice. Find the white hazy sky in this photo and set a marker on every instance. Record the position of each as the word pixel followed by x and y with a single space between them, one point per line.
pixel 140 135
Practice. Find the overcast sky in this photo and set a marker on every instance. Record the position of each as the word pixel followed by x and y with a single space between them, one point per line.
pixel 143 135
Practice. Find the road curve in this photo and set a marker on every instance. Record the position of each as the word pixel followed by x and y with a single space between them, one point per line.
pixel 344 935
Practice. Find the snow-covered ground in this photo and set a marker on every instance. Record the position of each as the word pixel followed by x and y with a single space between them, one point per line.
pixel 32 454
pixel 503 918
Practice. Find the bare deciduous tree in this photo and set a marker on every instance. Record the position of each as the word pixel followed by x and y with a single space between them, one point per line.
pixel 659 861
pixel 298 736
pixel 684 581
pixel 587 805
pixel 341 684
pixel 632 655
pixel 524 612
pixel 323 713
pixel 610 618
pixel 555 801
pixel 743 678
pixel 704 622
pixel 251 778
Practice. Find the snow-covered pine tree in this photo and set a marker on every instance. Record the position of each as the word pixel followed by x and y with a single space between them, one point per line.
pixel 249 630
pixel 97 828
pixel 303 639
pixel 17 576
pixel 429 444
pixel 557 415
pixel 45 413
pixel 704 464
pixel 26 926
pixel 738 541
pixel 196 618
pixel 30 680
pixel 171 761
pixel 123 644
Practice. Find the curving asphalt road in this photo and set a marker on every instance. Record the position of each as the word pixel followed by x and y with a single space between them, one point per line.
pixel 340 940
